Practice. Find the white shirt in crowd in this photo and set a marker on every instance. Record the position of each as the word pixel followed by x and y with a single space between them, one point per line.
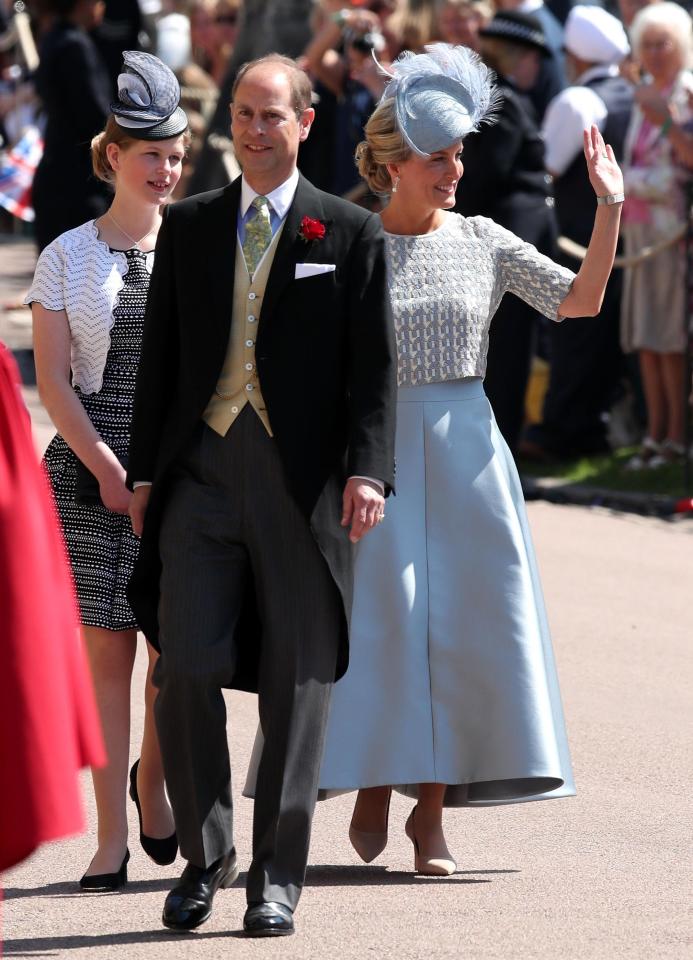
pixel 531 6
pixel 572 111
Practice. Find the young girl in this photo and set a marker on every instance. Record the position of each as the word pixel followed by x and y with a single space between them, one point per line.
pixel 88 299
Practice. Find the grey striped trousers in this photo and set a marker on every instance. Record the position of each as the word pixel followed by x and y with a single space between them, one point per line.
pixel 230 524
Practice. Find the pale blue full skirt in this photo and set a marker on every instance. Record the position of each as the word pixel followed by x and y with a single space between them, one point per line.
pixel 452 676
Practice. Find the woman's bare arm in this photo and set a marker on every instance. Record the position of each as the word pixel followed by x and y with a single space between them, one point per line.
pixel 52 355
pixel 323 60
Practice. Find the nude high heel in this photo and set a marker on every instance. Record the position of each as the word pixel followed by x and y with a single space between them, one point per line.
pixel 370 844
pixel 436 863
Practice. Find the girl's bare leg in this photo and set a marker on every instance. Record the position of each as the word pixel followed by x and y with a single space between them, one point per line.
pixel 111 655
pixel 157 816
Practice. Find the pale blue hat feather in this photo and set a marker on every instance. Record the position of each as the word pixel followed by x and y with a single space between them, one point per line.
pixel 441 95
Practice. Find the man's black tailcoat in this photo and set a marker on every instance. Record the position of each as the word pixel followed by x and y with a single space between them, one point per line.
pixel 326 362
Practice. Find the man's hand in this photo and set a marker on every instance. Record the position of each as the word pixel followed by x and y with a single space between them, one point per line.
pixel 363 505
pixel 138 508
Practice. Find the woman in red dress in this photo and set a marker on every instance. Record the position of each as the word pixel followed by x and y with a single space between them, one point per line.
pixel 49 726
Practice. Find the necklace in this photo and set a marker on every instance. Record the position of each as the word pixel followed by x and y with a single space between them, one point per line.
pixel 134 242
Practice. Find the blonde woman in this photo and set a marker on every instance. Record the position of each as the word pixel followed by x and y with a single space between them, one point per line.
pixel 652 322
pixel 451 696
pixel 88 298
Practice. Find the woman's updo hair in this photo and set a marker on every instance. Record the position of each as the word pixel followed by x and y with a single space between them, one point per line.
pixel 112 133
pixel 383 144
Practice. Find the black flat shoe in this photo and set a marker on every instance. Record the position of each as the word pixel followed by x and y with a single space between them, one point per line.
pixel 189 904
pixel 268 920
pixel 107 882
pixel 162 851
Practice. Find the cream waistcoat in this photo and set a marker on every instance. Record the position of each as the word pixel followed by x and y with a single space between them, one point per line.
pixel 238 382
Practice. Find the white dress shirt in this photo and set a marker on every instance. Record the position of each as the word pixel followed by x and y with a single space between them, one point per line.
pixel 572 111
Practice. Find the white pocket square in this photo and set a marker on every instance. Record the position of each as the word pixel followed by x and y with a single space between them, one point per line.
pixel 313 269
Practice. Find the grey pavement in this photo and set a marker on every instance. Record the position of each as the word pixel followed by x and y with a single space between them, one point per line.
pixel 17 261
pixel 603 876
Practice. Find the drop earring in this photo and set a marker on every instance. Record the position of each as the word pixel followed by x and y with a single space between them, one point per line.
pixel 395 184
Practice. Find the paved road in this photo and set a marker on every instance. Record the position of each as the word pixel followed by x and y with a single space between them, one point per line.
pixel 600 877
pixel 17 259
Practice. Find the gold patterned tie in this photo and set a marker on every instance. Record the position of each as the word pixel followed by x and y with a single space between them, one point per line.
pixel 258 234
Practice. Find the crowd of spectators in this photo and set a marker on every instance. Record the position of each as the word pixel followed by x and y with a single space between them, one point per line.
pixel 58 65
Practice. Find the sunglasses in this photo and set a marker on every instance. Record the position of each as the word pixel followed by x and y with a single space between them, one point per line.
pixel 228 18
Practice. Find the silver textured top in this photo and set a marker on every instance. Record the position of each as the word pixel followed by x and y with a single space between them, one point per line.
pixel 445 287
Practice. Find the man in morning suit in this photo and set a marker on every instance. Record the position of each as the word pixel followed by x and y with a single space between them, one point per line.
pixel 264 415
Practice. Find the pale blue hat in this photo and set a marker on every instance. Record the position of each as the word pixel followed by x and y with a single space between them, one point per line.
pixel 441 95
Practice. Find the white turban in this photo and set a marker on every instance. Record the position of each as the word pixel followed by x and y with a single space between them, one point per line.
pixel 595 36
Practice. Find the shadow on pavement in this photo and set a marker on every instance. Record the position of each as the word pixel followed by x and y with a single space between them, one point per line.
pixel 321 875
pixel 70 889
pixel 340 876
pixel 317 876
pixel 50 946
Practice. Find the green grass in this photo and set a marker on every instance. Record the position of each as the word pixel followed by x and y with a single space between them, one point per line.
pixel 608 472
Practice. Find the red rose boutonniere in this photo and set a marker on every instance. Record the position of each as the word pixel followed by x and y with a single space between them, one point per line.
pixel 311 229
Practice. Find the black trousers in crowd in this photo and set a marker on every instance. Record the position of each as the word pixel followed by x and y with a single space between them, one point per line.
pixel 587 367
pixel 510 351
pixel 229 524
pixel 514 327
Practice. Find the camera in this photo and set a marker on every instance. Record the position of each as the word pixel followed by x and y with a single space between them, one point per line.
pixel 365 43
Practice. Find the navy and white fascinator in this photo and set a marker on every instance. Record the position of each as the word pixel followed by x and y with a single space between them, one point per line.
pixel 441 95
pixel 148 97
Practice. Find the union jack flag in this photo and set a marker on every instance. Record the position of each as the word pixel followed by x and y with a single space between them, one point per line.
pixel 17 169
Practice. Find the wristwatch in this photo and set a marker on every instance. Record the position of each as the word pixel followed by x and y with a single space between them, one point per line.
pixel 611 198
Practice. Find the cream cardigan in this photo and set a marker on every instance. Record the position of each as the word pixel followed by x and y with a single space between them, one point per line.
pixel 80 274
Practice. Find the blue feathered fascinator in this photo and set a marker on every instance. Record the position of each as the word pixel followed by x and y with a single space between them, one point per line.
pixel 441 95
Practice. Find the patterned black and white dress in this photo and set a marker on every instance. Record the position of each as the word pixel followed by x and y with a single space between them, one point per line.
pixel 101 545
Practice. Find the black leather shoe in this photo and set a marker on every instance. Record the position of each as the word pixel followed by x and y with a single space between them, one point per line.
pixel 189 904
pixel 107 882
pixel 163 851
pixel 268 920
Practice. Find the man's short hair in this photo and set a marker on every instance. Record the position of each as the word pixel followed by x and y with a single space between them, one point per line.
pixel 301 89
